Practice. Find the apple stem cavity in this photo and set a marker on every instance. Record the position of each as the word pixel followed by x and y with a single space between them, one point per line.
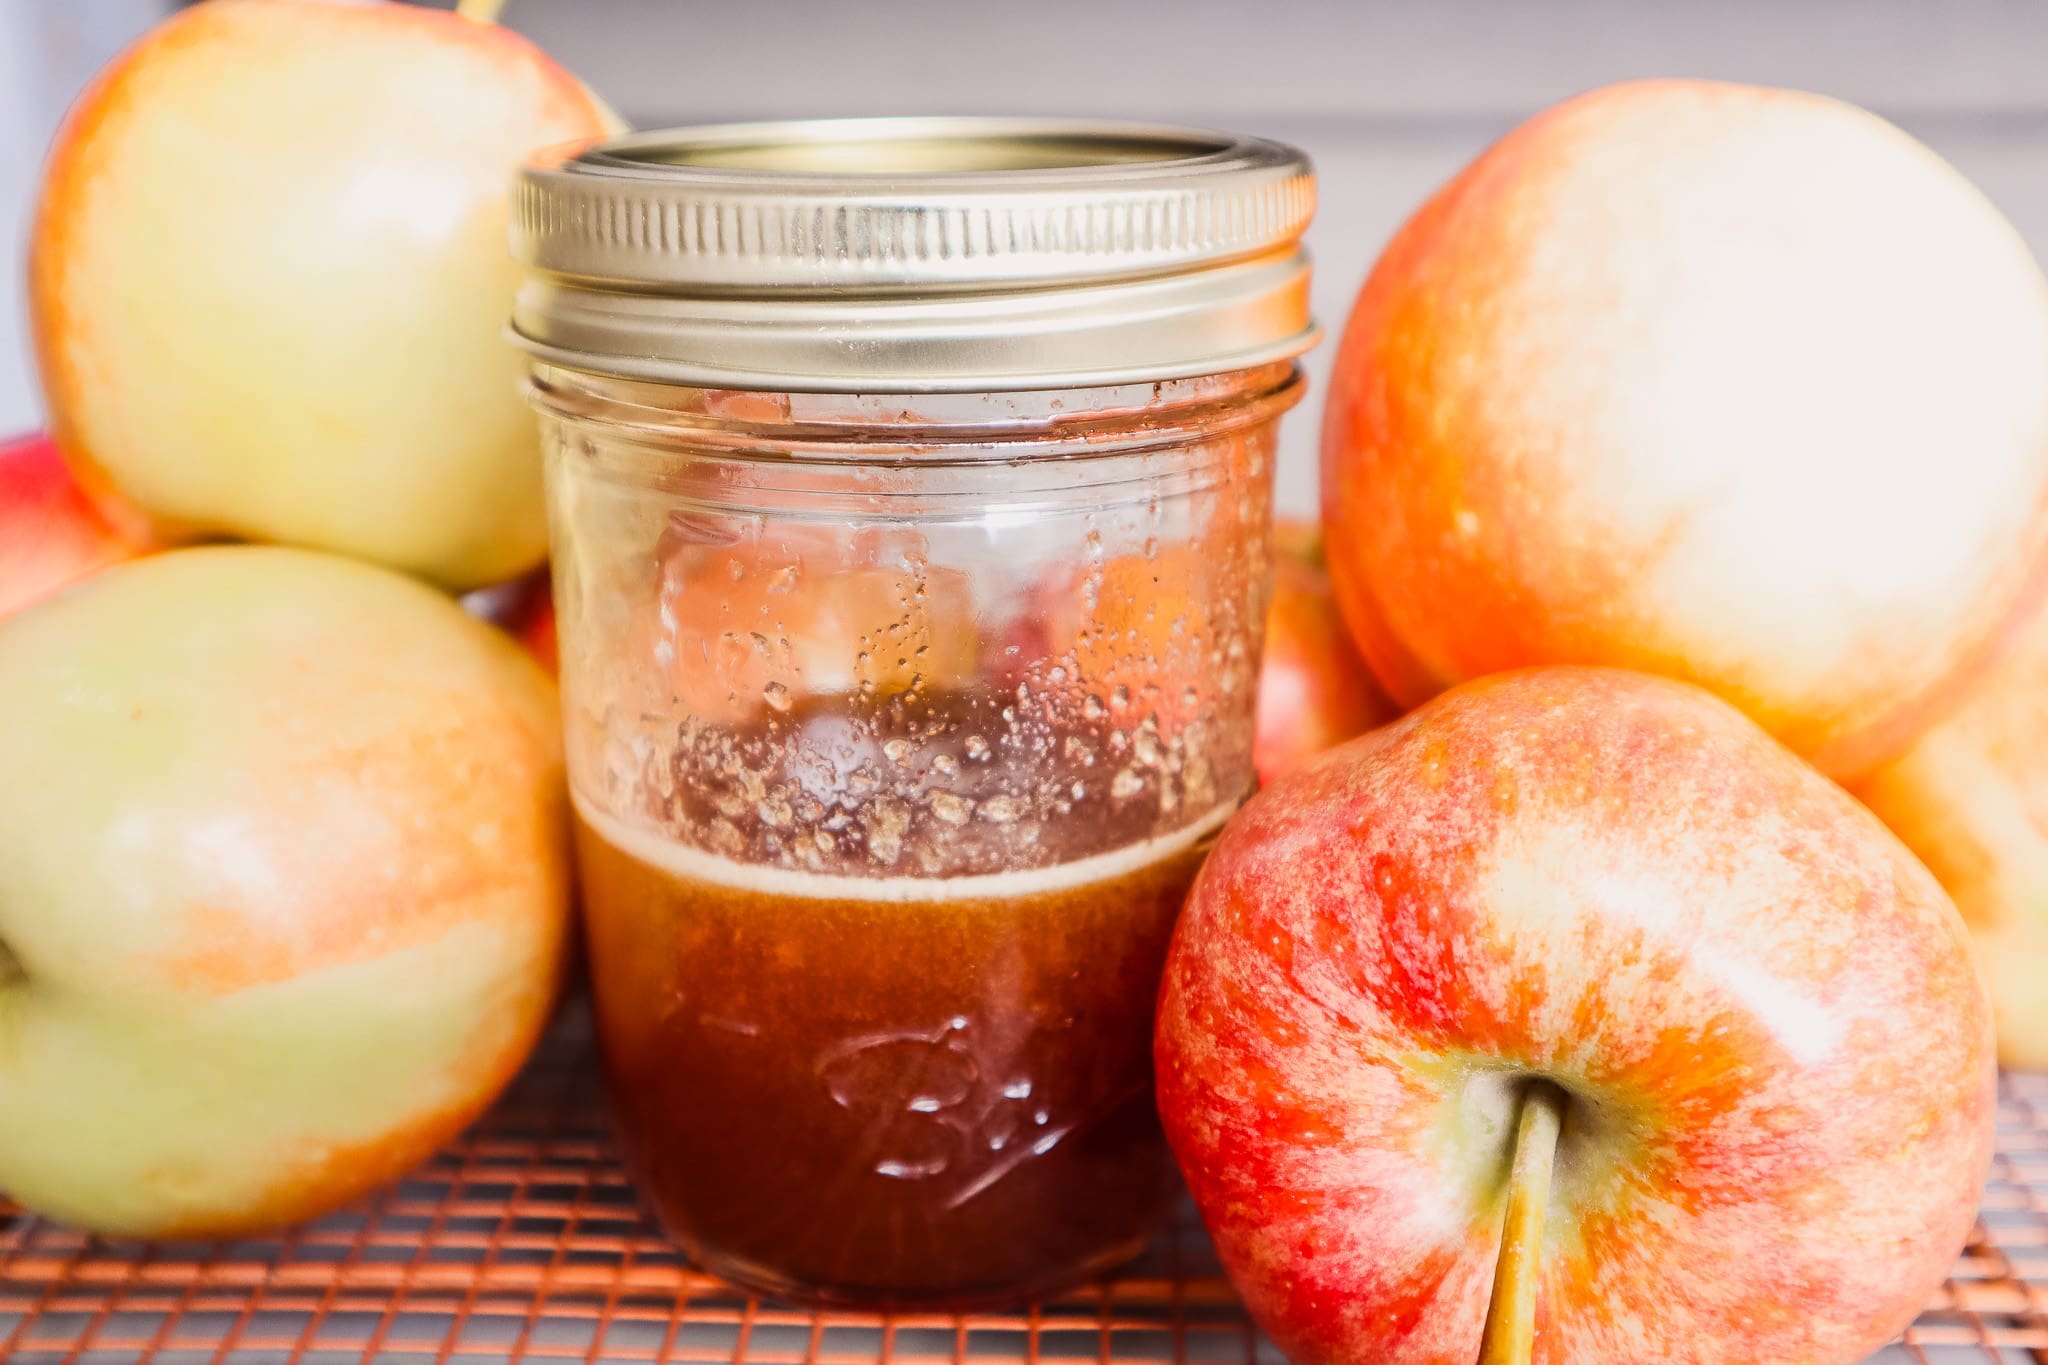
pixel 11 970
pixel 480 11
pixel 1510 1334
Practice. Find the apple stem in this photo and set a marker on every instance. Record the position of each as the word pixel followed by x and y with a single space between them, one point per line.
pixel 480 11
pixel 1510 1334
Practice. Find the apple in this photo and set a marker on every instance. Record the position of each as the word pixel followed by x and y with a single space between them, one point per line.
pixel 269 280
pixel 1610 902
pixel 537 630
pixel 1314 690
pixel 51 533
pixel 1737 385
pixel 525 608
pixel 283 886
pixel 1970 797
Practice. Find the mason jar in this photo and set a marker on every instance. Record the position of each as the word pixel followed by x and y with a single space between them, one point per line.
pixel 910 490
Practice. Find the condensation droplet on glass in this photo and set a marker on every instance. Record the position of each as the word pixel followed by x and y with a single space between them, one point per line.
pixel 777 696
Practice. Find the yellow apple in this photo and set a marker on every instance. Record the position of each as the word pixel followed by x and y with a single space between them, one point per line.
pixel 283 886
pixel 269 280
pixel 1971 798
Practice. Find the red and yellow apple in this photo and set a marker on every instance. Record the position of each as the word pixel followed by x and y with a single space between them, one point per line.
pixel 1737 385
pixel 269 280
pixel 283 886
pixel 1773 1044
pixel 1314 690
pixel 525 609
pixel 51 533
pixel 1970 797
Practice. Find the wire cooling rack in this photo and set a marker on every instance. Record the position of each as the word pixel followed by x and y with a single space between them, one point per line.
pixel 523 1243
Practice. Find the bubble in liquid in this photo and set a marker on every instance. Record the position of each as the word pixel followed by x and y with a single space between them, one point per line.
pixel 1120 697
pixel 777 696
pixel 945 765
pixel 1145 744
pixel 886 821
pixel 952 809
pixel 774 811
pixel 1001 810
pixel 1126 784
pixel 977 748
pixel 896 750
pixel 783 579
pixel 1092 707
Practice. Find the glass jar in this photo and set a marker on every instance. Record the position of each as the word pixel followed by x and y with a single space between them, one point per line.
pixel 908 667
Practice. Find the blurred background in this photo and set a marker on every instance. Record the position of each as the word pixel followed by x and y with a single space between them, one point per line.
pixel 1389 96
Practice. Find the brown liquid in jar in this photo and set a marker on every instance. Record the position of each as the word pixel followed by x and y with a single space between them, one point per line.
pixel 907 1089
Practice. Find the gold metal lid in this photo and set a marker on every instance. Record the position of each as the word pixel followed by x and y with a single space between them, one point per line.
pixel 915 254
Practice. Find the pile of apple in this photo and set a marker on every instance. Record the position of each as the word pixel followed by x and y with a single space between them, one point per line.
pixel 284 893
pixel 1685 469
pixel 1686 465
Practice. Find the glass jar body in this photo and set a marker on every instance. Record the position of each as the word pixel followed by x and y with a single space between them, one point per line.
pixel 897 727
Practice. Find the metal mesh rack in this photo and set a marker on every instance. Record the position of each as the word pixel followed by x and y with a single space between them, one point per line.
pixel 523 1242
